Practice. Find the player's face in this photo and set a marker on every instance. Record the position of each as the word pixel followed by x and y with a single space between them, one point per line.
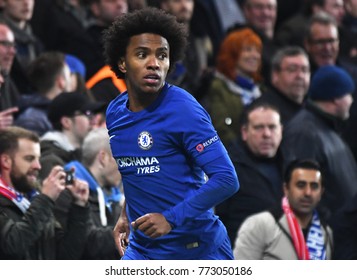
pixel 146 63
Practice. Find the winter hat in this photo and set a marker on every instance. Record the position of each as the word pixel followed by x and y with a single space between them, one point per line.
pixel 330 82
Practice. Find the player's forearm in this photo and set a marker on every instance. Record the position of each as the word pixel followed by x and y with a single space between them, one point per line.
pixel 222 183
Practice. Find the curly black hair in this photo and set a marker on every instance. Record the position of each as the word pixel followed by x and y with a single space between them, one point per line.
pixel 147 20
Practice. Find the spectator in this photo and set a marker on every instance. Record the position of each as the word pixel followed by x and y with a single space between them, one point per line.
pixel 105 85
pixel 292 31
pixel 322 45
pixel 290 80
pixel 293 231
pixel 314 133
pixel 137 4
pixel 71 116
pixel 78 75
pixel 344 226
pixel 235 84
pixel 50 75
pixel 28 226
pixel 188 72
pixel 17 15
pixel 102 82
pixel 6 118
pixel 348 132
pixel 349 24
pixel 322 41
pixel 213 18
pixel 62 26
pixel 287 10
pixel 99 169
pixel 104 13
pixel 9 94
pixel 261 16
pixel 258 165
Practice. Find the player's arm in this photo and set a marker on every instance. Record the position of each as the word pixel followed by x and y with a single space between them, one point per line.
pixel 222 183
pixel 121 231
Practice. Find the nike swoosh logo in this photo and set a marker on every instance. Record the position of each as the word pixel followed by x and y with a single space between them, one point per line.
pixel 111 137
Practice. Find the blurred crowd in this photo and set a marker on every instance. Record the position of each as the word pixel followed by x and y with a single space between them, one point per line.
pixel 277 78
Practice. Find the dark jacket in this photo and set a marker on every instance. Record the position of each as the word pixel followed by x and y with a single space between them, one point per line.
pixel 292 32
pixel 100 243
pixel 56 150
pixel 344 226
pixel 33 114
pixel 257 191
pixel 9 94
pixel 287 108
pixel 315 134
pixel 62 27
pixel 36 234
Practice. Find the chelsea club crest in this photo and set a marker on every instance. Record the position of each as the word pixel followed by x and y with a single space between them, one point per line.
pixel 145 140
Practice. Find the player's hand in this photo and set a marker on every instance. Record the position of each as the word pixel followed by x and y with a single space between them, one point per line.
pixel 121 232
pixel 153 225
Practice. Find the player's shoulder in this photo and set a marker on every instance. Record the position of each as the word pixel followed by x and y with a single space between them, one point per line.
pixel 181 100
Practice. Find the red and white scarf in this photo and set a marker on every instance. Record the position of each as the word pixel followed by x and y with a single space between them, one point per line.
pixel 295 231
pixel 314 248
pixel 10 193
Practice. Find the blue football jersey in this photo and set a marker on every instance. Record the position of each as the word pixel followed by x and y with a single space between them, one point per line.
pixel 163 153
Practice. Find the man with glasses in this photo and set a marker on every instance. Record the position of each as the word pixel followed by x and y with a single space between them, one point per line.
pixel 322 40
pixel 314 133
pixel 322 43
pixel 9 94
pixel 17 15
pixel 291 31
pixel 290 80
pixel 323 46
pixel 71 115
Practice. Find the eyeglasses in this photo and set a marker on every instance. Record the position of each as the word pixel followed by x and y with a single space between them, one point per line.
pixel 87 114
pixel 7 44
pixel 292 69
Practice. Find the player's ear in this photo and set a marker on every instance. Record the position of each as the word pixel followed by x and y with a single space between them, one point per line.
pixel 121 65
